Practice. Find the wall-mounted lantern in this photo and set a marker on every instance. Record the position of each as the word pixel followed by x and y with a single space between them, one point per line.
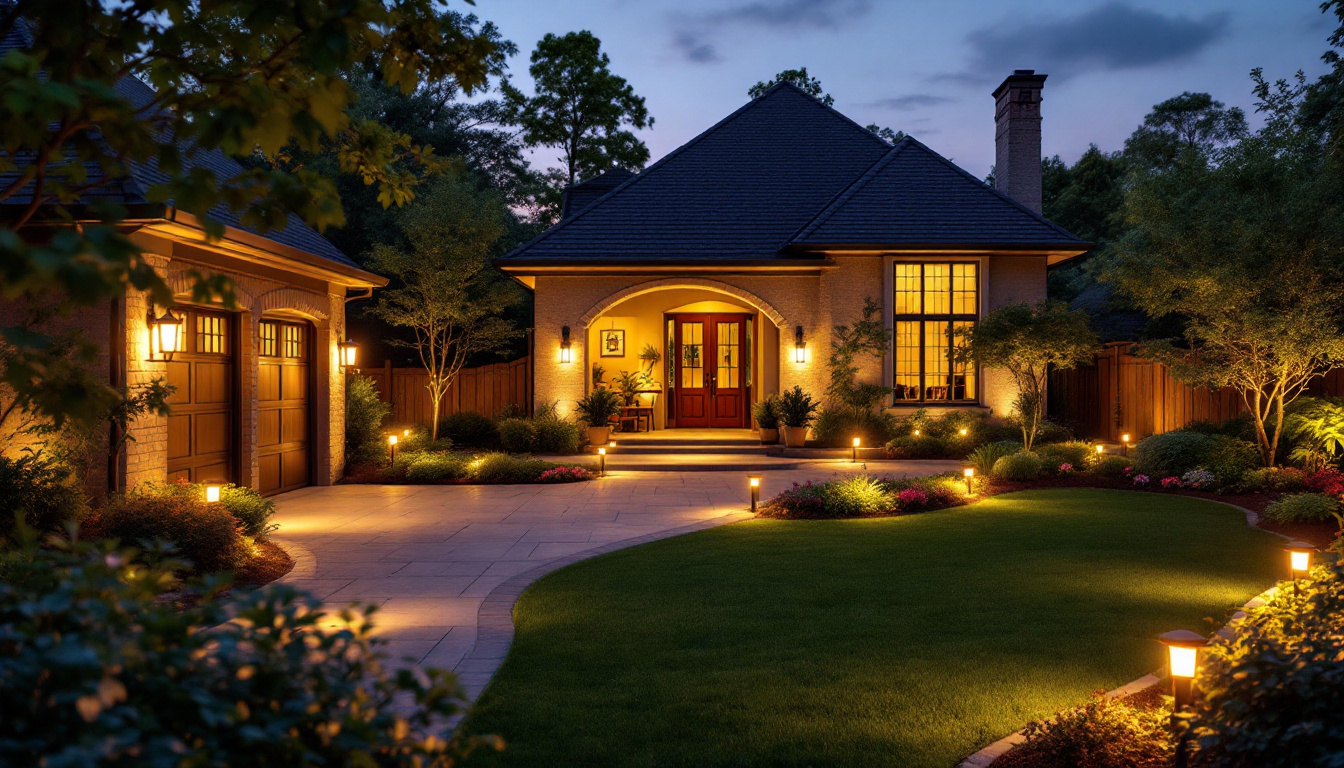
pixel 799 346
pixel 349 352
pixel 166 334
pixel 566 353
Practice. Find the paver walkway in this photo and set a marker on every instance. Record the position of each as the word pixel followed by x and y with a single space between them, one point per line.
pixel 430 556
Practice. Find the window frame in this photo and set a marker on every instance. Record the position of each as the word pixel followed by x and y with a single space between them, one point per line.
pixel 950 317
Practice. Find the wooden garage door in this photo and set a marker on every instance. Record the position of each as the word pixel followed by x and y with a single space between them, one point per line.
pixel 203 425
pixel 284 350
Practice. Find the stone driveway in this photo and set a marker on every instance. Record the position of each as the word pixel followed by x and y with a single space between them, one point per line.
pixel 446 563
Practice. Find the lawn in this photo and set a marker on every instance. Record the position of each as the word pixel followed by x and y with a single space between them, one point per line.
pixel 909 641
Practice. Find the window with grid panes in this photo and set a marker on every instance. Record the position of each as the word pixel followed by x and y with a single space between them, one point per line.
pixel 935 304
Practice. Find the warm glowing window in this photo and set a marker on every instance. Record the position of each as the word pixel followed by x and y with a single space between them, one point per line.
pixel 210 334
pixel 293 338
pixel 268 339
pixel 935 305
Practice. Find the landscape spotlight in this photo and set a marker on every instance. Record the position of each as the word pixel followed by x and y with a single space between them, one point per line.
pixel 968 472
pixel 1183 647
pixel 916 433
pixel 392 447
pixel 1299 559
pixel 1124 441
pixel 1100 449
pixel 212 493
pixel 854 451
pixel 964 431
pixel 754 483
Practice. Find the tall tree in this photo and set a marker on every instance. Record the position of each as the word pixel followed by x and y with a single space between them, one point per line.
pixel 1085 199
pixel 581 108
pixel 1245 242
pixel 448 294
pixel 1189 124
pixel 240 76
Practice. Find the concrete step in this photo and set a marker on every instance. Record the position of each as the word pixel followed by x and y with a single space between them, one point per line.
pixel 700 463
pixel 643 439
pixel 642 449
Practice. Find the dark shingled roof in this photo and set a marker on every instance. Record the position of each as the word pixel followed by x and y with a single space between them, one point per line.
pixel 585 193
pixel 916 196
pixel 786 173
pixel 133 190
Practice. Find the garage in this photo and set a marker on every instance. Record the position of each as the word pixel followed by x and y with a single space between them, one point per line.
pixel 203 425
pixel 284 370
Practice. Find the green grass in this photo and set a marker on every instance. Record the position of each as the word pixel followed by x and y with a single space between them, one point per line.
pixel 909 641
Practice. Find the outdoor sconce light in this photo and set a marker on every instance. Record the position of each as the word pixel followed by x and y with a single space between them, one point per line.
pixel 854 451
pixel 1183 647
pixel 799 346
pixel 1124 442
pixel 754 484
pixel 969 473
pixel 392 447
pixel 1299 559
pixel 349 351
pixel 601 462
pixel 566 356
pixel 212 494
pixel 165 334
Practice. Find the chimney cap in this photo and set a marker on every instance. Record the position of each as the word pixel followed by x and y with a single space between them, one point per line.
pixel 1020 77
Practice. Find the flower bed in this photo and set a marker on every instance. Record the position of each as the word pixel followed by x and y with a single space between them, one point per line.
pixel 865 496
pixel 462 468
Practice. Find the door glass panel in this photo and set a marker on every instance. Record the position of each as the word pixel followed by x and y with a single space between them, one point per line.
pixel 671 358
pixel 935 360
pixel 692 355
pixel 728 353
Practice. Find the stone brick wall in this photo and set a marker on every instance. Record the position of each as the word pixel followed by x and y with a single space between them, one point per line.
pixel 1011 279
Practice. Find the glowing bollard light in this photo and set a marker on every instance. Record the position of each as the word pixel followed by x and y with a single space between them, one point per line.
pixel 601 462
pixel 854 451
pixel 754 483
pixel 392 447
pixel 405 433
pixel 1299 559
pixel 963 431
pixel 1124 442
pixel 1101 449
pixel 916 433
pixel 969 474
pixel 1183 647
pixel 212 493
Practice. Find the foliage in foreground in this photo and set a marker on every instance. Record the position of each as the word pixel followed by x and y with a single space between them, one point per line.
pixel 39 490
pixel 864 496
pixel 1103 733
pixel 98 671
pixel 206 535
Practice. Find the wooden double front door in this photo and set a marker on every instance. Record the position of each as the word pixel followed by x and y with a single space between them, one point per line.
pixel 712 370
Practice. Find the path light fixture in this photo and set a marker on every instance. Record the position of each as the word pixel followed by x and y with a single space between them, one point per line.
pixel 166 334
pixel 602 461
pixel 963 431
pixel 611 444
pixel 1124 443
pixel 916 433
pixel 968 472
pixel 405 433
pixel 349 353
pixel 212 494
pixel 566 353
pixel 1100 450
pixel 854 451
pixel 1299 559
pixel 1183 647
pixel 392 447
pixel 754 484
pixel 799 346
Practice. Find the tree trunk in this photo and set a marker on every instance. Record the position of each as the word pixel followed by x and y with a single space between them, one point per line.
pixel 434 397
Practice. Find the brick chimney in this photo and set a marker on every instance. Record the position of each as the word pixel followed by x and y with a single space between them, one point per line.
pixel 1017 137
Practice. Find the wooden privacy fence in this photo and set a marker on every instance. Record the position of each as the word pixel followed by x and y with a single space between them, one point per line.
pixel 485 390
pixel 1149 400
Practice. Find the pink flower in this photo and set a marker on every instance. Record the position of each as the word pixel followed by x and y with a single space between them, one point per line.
pixel 1066 467
pixel 1129 471
pixel 912 497
pixel 1171 482
pixel 1140 479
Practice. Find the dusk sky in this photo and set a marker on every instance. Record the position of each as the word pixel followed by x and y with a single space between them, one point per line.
pixel 928 67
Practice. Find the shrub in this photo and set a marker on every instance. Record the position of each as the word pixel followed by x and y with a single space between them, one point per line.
pixel 364 417
pixel 1020 467
pixel 1269 695
pixel 503 468
pixel 40 491
pixel 434 467
pixel 255 678
pixel 922 447
pixel 204 534
pixel 837 427
pixel 797 503
pixel 1231 458
pixel 1103 733
pixel 1302 508
pixel 420 441
pixel 470 429
pixel 1171 482
pixel 766 412
pixel 252 510
pixel 1199 478
pixel 988 454
pixel 556 435
pixel 859 496
pixel 1111 467
pixel 1074 452
pixel 517 435
pixel 1175 453
pixel 1273 479
pixel 1241 427
pixel 599 407
pixel 917 494
pixel 796 408
pixel 855 496
pixel 1327 481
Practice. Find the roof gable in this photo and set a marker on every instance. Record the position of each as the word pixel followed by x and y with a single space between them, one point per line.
pixel 739 190
pixel 914 196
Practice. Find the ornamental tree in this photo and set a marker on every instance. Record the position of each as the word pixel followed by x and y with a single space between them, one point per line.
pixel 1027 341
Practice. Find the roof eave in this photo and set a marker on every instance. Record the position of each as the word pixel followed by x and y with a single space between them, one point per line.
pixel 627 266
pixel 1056 252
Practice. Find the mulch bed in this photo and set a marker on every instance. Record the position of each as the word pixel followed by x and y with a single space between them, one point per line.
pixel 270 563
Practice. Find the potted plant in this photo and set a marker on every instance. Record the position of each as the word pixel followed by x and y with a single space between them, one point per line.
pixel 629 383
pixel 598 373
pixel 766 414
pixel 797 409
pixel 651 357
pixel 598 409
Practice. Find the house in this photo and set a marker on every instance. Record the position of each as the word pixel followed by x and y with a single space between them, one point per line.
pixel 735 255
pixel 260 392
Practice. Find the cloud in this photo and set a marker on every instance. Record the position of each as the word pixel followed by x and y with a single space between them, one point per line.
pixel 1111 37
pixel 908 102
pixel 693 36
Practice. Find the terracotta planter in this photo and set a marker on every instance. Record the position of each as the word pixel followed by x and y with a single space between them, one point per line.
pixel 795 437
pixel 598 435
pixel 769 436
